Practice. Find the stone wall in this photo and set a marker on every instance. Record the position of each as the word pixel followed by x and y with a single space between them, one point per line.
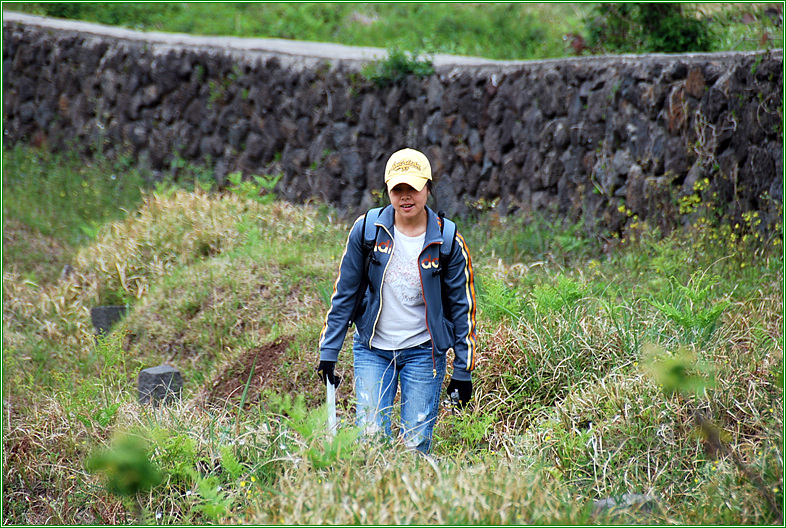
pixel 606 139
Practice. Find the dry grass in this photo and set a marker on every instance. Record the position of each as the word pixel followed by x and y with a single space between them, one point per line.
pixel 44 481
pixel 166 232
pixel 395 487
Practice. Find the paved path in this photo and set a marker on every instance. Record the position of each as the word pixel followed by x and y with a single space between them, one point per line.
pixel 294 48
pixel 307 54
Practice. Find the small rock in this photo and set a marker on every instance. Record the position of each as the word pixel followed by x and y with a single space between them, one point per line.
pixel 160 384
pixel 103 317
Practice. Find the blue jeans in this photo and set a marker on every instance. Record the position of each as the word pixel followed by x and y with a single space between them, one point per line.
pixel 377 375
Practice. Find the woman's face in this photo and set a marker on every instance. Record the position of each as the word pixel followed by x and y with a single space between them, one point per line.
pixel 408 203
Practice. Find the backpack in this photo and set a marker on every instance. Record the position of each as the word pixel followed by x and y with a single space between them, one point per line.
pixel 370 238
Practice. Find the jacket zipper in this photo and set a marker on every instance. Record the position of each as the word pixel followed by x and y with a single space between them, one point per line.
pixel 423 291
pixel 384 272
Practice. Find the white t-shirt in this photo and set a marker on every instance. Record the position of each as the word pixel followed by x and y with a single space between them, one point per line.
pixel 402 321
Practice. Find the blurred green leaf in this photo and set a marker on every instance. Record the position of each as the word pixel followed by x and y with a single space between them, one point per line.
pixel 126 466
pixel 680 372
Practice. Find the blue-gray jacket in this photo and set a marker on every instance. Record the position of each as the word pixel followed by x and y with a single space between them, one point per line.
pixel 452 327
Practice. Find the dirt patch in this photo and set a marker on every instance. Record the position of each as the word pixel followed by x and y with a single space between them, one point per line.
pixel 260 364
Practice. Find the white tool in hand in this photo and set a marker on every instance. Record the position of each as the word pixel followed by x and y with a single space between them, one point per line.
pixel 331 405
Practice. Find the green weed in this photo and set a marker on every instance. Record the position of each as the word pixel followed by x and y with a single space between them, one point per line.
pixel 260 190
pixel 694 308
pixel 563 294
pixel 127 469
pixel 396 67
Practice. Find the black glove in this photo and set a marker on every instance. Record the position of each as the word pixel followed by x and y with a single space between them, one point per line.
pixel 325 371
pixel 459 392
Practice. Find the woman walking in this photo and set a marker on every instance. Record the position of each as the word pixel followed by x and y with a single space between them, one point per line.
pixel 406 281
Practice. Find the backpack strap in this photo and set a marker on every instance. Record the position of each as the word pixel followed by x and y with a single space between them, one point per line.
pixel 370 239
pixel 369 226
pixel 448 230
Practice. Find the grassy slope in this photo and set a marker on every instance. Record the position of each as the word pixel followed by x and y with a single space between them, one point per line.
pixel 570 407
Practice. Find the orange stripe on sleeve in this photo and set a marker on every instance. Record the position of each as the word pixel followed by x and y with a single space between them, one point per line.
pixel 469 276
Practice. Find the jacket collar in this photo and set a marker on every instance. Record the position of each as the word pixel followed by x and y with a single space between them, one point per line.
pixel 433 230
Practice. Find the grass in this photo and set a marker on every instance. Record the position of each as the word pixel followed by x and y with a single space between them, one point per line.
pixel 505 31
pixel 595 367
pixel 63 205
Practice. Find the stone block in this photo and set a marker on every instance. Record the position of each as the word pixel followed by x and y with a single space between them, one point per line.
pixel 103 317
pixel 159 385
pixel 695 85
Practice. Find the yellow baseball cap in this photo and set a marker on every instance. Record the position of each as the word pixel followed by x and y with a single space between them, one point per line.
pixel 407 166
